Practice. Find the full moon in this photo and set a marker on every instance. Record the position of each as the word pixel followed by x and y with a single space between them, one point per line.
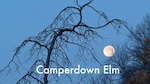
pixel 108 51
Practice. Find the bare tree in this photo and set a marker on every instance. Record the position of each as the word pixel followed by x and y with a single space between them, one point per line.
pixel 133 58
pixel 140 52
pixel 50 45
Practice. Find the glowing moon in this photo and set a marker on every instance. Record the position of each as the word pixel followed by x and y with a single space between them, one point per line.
pixel 108 51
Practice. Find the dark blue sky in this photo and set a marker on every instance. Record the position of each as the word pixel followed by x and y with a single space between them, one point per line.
pixel 20 19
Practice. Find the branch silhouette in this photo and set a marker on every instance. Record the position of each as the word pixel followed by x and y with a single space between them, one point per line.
pixel 55 39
